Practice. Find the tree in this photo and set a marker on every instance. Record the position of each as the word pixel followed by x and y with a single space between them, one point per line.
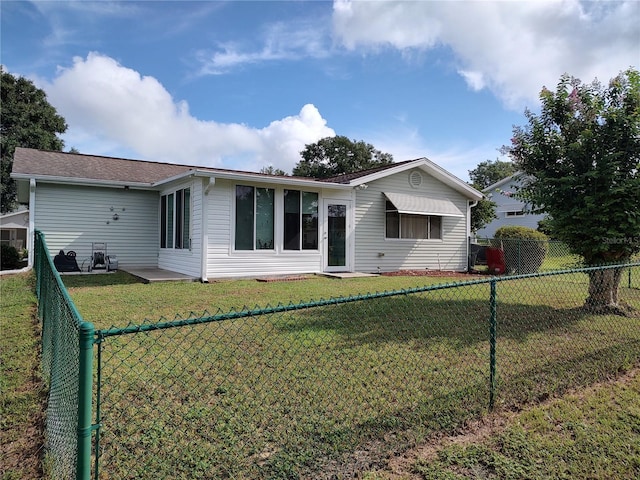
pixel 482 214
pixel 270 170
pixel 485 174
pixel 582 153
pixel 28 120
pixel 333 156
pixel 489 172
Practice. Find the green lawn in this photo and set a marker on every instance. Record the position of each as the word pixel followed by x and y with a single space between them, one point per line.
pixel 303 394
pixel 21 390
pixel 331 391
pixel 593 433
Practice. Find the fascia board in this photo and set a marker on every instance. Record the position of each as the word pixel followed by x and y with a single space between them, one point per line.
pixel 86 182
pixel 283 180
pixel 385 173
pixel 499 183
pixel 432 169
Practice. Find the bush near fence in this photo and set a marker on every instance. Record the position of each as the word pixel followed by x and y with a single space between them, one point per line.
pixel 329 388
pixel 524 255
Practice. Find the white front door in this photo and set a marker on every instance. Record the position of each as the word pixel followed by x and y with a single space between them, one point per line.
pixel 336 235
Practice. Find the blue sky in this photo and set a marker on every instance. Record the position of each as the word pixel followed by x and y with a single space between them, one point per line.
pixel 243 85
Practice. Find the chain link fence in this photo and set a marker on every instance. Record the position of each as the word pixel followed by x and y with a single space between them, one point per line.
pixel 515 256
pixel 331 388
pixel 67 344
pixel 325 389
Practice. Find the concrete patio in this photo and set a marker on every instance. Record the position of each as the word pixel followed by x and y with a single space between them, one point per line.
pixel 153 274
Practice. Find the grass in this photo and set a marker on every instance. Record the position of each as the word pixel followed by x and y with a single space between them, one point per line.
pixel 120 299
pixel 594 433
pixel 315 393
pixel 21 390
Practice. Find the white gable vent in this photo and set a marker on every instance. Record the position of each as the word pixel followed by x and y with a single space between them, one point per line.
pixel 415 179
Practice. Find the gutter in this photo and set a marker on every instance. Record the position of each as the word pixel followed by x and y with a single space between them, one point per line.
pixel 87 182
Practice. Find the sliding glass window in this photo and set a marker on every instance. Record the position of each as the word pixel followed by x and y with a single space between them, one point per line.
pixel 175 219
pixel 254 218
pixel 300 220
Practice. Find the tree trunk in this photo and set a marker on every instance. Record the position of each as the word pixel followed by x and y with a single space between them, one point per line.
pixel 603 292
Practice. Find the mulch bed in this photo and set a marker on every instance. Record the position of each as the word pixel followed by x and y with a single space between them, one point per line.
pixel 431 273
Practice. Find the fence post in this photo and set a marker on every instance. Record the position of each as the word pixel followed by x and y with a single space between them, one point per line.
pixel 85 379
pixel 493 321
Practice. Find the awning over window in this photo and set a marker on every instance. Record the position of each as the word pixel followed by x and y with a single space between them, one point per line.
pixel 423 206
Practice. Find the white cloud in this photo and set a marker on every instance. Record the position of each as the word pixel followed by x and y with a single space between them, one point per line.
pixel 475 80
pixel 512 48
pixel 281 41
pixel 107 104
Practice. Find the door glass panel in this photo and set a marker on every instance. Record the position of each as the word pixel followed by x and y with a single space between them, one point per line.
pixel 337 235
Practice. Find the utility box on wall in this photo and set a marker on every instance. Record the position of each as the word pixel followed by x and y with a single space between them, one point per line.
pixel 112 263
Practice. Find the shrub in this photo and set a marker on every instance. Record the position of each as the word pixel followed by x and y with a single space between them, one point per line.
pixel 9 257
pixel 524 248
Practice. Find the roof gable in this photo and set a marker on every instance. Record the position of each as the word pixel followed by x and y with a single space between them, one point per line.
pixel 347 178
pixel 428 167
pixel 515 179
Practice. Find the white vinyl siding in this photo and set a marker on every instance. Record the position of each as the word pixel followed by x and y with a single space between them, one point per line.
pixel 374 252
pixel 223 261
pixel 73 217
pixel 185 260
pixel 506 203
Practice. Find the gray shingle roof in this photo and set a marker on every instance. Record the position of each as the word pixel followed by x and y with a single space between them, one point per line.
pixel 59 164
pixel 28 161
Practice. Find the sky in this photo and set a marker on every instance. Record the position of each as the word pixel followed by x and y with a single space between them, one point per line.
pixel 245 85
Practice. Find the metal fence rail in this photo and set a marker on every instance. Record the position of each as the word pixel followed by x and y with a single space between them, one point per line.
pixel 323 389
pixel 67 356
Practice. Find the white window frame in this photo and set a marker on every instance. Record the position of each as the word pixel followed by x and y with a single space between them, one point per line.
pixel 427 219
pixel 177 243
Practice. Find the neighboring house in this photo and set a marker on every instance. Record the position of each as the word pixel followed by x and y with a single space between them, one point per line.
pixel 14 228
pixel 509 209
pixel 213 223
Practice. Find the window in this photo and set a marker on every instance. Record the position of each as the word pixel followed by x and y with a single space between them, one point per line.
pixel 175 219
pixel 406 225
pixel 300 220
pixel 515 213
pixel 254 218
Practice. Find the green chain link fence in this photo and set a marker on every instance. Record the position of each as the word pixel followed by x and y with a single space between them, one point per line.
pixel 330 388
pixel 515 256
pixel 67 356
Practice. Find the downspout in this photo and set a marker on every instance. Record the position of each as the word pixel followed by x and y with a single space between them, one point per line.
pixel 470 205
pixel 32 223
pixel 208 184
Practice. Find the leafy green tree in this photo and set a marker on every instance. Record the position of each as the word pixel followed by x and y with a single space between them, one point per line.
pixel 485 174
pixel 333 156
pixel 482 214
pixel 270 170
pixel 583 155
pixel 28 120
pixel 489 172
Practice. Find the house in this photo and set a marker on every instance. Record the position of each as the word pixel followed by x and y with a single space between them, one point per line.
pixel 213 223
pixel 14 228
pixel 509 209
